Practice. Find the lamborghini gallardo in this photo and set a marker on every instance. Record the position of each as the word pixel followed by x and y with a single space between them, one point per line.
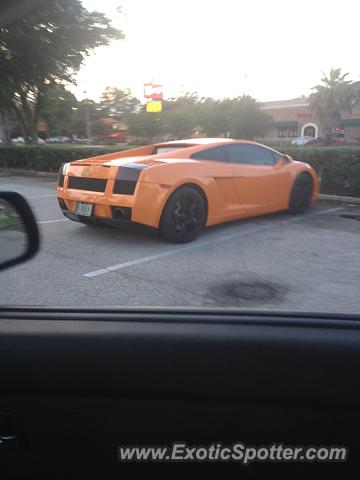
pixel 181 187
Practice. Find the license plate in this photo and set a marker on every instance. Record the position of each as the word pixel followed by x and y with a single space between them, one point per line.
pixel 84 209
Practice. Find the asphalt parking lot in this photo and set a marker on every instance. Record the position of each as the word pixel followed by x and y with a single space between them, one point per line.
pixel 279 262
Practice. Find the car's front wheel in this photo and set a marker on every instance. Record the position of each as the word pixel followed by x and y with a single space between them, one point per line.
pixel 184 216
pixel 300 198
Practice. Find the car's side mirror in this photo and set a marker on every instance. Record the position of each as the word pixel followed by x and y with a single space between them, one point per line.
pixel 19 233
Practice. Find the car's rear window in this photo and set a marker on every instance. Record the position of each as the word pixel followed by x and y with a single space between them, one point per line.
pixel 169 148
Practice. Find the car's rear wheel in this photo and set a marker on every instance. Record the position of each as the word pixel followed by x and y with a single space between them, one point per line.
pixel 301 193
pixel 184 216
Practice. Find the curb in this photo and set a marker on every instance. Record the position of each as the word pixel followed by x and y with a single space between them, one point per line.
pixel 4 172
pixel 339 199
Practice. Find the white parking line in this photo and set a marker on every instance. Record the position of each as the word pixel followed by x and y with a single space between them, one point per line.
pixel 200 244
pixel 53 221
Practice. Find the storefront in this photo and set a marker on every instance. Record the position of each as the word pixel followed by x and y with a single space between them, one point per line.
pixel 294 118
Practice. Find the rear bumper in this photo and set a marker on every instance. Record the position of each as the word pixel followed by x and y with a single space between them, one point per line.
pixel 146 203
pixel 112 222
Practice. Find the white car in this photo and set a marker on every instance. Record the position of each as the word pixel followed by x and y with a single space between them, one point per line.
pixel 302 140
pixel 18 141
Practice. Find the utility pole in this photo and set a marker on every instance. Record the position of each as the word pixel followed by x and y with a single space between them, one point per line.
pixel 87 118
pixel 88 123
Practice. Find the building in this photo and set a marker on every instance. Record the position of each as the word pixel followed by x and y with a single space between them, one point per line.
pixel 294 118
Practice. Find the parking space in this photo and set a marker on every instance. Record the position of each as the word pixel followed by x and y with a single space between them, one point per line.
pixel 282 262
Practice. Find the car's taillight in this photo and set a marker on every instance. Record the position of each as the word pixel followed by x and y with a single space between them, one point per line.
pixel 126 178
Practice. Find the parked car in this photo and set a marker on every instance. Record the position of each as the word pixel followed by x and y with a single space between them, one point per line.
pixel 60 139
pixel 18 141
pixel 180 187
pixel 323 140
pixel 302 140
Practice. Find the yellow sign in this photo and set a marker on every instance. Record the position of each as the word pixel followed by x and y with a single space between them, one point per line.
pixel 154 106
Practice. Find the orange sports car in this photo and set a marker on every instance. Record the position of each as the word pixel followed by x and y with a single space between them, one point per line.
pixel 182 186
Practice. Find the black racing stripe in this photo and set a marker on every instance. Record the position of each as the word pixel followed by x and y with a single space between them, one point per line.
pixel 127 177
pixel 130 172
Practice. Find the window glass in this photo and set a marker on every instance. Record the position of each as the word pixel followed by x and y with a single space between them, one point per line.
pixel 217 154
pixel 250 154
pixel 170 148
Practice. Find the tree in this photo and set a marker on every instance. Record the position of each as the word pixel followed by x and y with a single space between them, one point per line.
pixel 246 120
pixel 11 11
pixel 178 116
pixel 118 103
pixel 145 125
pixel 5 114
pixel 336 94
pixel 57 106
pixel 86 119
pixel 214 116
pixel 240 116
pixel 181 115
pixel 45 47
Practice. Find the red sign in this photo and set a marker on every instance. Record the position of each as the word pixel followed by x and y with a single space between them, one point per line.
pixel 154 91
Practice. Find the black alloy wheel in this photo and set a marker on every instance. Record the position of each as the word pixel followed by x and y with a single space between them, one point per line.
pixel 184 216
pixel 301 194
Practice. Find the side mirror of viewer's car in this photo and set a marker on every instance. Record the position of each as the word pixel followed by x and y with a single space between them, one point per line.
pixel 19 234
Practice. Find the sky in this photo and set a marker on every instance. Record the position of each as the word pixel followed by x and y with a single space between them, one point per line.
pixel 272 50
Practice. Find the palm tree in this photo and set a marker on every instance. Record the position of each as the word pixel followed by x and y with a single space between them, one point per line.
pixel 335 95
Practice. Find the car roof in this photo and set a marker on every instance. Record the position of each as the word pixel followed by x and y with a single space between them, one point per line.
pixel 198 141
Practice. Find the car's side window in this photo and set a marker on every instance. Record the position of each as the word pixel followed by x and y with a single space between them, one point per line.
pixel 243 153
pixel 277 156
pixel 217 154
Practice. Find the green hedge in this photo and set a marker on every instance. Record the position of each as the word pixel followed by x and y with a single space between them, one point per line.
pixel 339 167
